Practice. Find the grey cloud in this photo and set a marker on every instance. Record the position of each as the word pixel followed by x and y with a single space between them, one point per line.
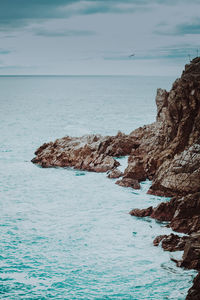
pixel 63 33
pixel 19 13
pixel 192 27
pixel 4 51
pixel 170 53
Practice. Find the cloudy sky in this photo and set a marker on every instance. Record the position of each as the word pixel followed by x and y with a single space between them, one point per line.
pixel 97 36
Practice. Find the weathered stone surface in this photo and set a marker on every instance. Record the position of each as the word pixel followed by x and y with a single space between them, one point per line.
pixel 141 212
pixel 116 173
pixel 169 149
pixel 166 152
pixel 90 152
pixel 186 218
pixel 183 213
pixel 171 242
pixel 194 291
pixel 165 210
pixel 129 182
pixel 191 255
pixel 181 174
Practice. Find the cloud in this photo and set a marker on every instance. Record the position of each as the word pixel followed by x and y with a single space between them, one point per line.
pixel 63 33
pixel 192 27
pixel 188 28
pixel 19 13
pixel 4 51
pixel 181 52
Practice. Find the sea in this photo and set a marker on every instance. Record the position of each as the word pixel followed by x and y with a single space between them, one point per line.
pixel 66 233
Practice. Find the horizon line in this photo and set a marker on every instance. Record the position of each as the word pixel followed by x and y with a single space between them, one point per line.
pixel 79 75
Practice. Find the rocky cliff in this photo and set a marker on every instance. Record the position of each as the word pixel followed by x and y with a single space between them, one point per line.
pixel 166 152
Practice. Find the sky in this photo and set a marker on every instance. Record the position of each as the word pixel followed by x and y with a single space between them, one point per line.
pixel 97 37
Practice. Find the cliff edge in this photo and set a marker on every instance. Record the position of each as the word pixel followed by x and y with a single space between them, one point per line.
pixel 166 152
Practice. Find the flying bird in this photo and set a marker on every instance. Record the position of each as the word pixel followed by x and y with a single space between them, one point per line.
pixel 132 55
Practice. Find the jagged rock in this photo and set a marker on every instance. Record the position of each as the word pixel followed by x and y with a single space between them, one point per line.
pixel 135 169
pixel 183 213
pixel 165 210
pixel 169 149
pixel 191 255
pixel 181 174
pixel 116 173
pixel 166 151
pixel 186 218
pixel 194 291
pixel 129 182
pixel 171 242
pixel 141 212
pixel 90 152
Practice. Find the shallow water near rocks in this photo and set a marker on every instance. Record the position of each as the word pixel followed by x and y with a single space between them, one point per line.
pixel 67 234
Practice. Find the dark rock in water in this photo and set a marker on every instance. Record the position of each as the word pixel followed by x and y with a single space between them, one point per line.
pixel 164 211
pixel 141 212
pixel 183 213
pixel 91 152
pixel 116 173
pixel 191 255
pixel 187 215
pixel 194 291
pixel 135 169
pixel 129 182
pixel 171 242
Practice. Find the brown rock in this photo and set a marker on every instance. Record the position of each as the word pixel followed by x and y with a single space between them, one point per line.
pixel 141 212
pixel 171 242
pixel 129 182
pixel 116 173
pixel 90 152
pixel 194 291
pixel 135 168
pixel 187 214
pixel 164 211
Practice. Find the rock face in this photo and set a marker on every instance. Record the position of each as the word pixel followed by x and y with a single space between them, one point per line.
pixel 129 182
pixel 116 173
pixel 166 152
pixel 169 149
pixel 171 242
pixel 194 291
pixel 91 152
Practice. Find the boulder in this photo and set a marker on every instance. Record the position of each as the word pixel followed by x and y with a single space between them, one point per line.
pixel 116 173
pixel 129 182
pixel 171 242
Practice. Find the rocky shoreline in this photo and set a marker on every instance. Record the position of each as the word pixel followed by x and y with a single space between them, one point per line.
pixel 166 152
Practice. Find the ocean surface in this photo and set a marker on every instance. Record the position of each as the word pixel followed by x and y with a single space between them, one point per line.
pixel 67 234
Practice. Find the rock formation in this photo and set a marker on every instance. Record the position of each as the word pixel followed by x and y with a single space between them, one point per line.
pixel 166 152
pixel 90 152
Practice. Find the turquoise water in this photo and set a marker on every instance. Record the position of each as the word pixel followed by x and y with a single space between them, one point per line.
pixel 67 234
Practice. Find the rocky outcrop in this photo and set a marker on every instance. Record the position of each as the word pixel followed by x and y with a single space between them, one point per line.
pixel 116 173
pixel 194 291
pixel 169 149
pixel 182 213
pixel 90 152
pixel 166 152
pixel 171 242
pixel 129 182
pixel 141 212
